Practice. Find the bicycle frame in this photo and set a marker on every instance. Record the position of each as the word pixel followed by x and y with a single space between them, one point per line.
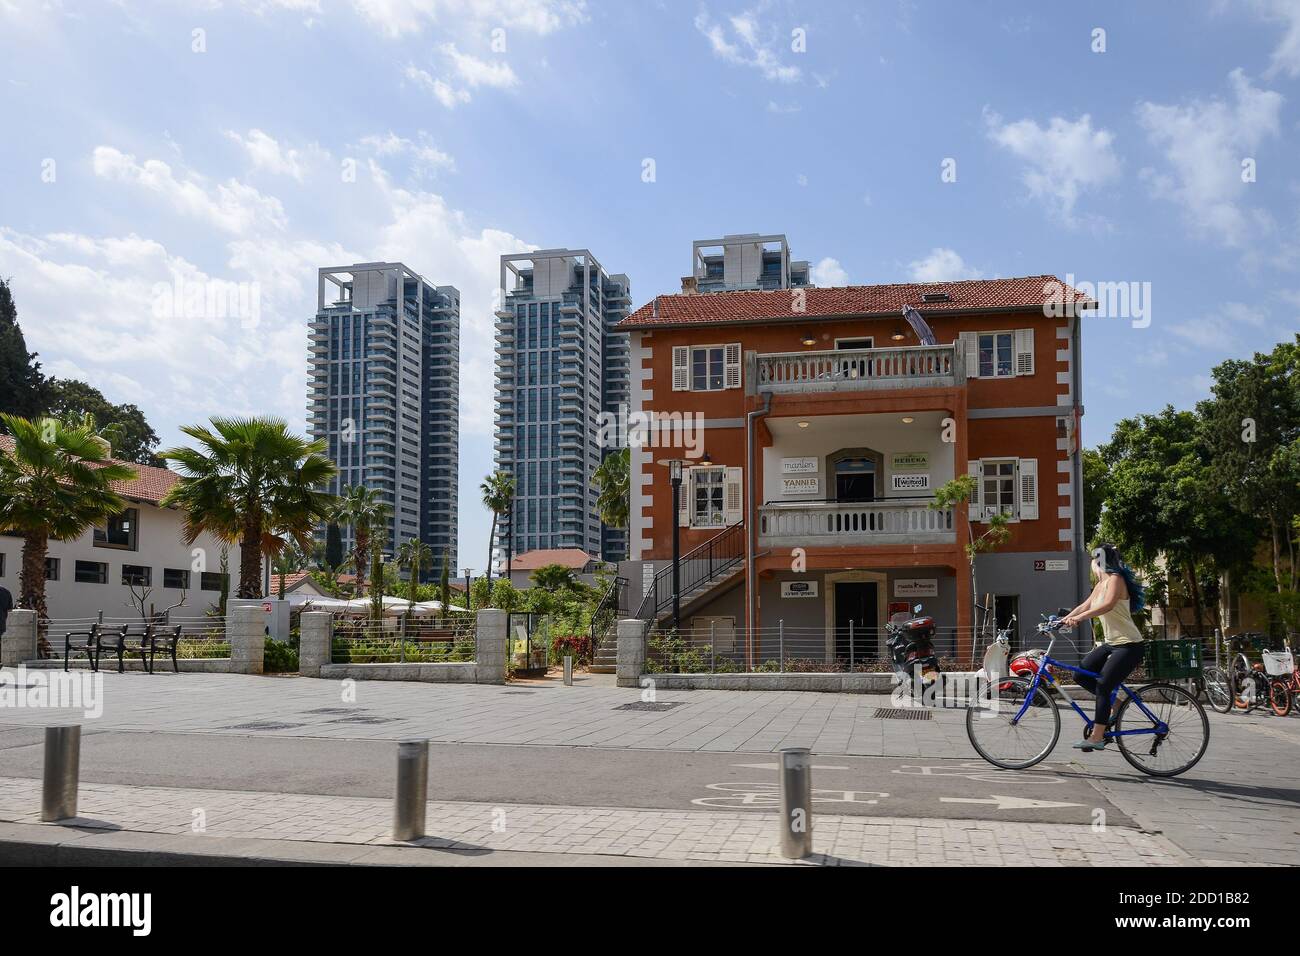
pixel 1041 674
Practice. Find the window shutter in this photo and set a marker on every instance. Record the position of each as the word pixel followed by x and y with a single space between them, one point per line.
pixel 731 365
pixel 970 342
pixel 1024 351
pixel 733 496
pixel 976 470
pixel 681 368
pixel 684 505
pixel 1028 489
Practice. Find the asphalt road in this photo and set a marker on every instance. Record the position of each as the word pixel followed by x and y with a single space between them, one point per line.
pixel 1056 792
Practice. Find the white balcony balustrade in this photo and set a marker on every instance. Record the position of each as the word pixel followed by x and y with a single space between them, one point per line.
pixel 834 370
pixel 831 523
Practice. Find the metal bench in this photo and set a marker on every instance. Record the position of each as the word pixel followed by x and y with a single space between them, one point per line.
pixel 84 641
pixel 166 635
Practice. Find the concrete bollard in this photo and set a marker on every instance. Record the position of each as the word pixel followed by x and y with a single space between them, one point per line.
pixel 568 670
pixel 316 634
pixel 412 792
pixel 246 631
pixel 61 774
pixel 18 644
pixel 631 652
pixel 796 803
pixel 492 651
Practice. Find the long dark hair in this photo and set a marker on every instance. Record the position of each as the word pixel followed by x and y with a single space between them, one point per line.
pixel 1112 563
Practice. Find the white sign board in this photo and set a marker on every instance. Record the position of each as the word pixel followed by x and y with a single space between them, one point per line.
pixel 1052 564
pixel 800 466
pixel 798 589
pixel 916 587
pixel 910 461
pixel 801 486
pixel 911 482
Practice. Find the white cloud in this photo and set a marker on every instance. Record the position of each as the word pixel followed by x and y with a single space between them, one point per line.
pixel 1222 331
pixel 232 207
pixel 1286 55
pixel 266 153
pixel 394 18
pixel 476 72
pixel 774 107
pixel 1062 159
pixel 829 272
pixel 1204 143
pixel 941 265
pixel 424 155
pixel 441 89
pixel 748 43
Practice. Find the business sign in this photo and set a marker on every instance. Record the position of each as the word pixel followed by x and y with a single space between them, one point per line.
pixel 798 589
pixel 1056 564
pixel 911 482
pixel 910 461
pixel 916 587
pixel 801 486
pixel 800 466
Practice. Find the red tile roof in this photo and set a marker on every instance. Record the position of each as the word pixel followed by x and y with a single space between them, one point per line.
pixel 291 581
pixel 573 558
pixel 149 484
pixel 714 308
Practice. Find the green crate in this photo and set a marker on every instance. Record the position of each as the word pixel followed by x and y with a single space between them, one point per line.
pixel 1173 660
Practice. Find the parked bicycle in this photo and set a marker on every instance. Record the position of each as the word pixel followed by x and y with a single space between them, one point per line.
pixel 1283 679
pixel 1161 729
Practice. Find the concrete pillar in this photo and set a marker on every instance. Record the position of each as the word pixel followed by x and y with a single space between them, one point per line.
pixel 493 646
pixel 316 632
pixel 631 651
pixel 18 645
pixel 246 630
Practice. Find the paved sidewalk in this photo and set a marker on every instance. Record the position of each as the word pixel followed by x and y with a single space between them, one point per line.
pixel 592 832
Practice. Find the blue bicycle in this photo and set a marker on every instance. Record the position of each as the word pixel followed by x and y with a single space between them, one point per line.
pixel 1160 728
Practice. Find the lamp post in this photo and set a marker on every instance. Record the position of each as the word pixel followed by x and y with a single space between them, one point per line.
pixel 469 572
pixel 674 466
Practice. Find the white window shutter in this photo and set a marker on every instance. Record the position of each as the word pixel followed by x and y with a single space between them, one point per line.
pixel 1028 489
pixel 976 470
pixel 681 368
pixel 731 365
pixel 970 342
pixel 684 505
pixel 1024 351
pixel 733 496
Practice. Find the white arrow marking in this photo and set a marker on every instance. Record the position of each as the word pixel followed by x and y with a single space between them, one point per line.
pixel 772 766
pixel 1012 803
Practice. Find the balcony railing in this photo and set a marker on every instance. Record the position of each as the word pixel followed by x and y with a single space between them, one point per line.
pixel 906 521
pixel 837 370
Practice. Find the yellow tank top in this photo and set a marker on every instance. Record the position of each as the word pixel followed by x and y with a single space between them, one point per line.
pixel 1118 626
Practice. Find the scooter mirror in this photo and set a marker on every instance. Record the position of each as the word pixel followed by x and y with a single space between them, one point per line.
pixel 916 609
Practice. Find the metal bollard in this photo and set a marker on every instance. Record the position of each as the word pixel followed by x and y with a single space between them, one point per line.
pixel 412 789
pixel 568 670
pixel 62 773
pixel 796 803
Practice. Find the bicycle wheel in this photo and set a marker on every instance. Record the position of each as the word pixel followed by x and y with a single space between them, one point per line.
pixel 1244 696
pixel 1279 697
pixel 1171 753
pixel 1006 742
pixel 1218 689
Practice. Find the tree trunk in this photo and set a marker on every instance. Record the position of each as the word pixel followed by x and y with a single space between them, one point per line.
pixel 31 581
pixel 360 555
pixel 1277 552
pixel 250 559
pixel 492 536
pixel 1196 595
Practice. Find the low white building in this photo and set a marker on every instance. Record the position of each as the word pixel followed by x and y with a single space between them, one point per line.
pixel 140 550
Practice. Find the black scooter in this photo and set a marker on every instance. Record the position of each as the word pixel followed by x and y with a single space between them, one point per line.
pixel 910 642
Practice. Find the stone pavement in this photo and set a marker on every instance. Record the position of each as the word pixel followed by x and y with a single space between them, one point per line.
pixel 203 816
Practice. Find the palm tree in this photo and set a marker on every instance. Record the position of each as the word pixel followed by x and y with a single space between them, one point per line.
pixel 611 478
pixel 367 513
pixel 55 483
pixel 253 481
pixel 498 493
pixel 416 555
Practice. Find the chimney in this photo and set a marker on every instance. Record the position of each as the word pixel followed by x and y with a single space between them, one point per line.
pixel 690 285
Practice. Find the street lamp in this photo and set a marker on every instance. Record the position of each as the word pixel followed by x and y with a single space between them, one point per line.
pixel 674 466
pixel 469 573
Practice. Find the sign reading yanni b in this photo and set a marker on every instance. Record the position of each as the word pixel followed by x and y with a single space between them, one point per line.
pixel 798 589
pixel 910 482
pixel 800 466
pixel 909 461
pixel 801 486
pixel 916 587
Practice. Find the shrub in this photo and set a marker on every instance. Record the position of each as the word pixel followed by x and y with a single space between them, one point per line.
pixel 279 658
pixel 577 645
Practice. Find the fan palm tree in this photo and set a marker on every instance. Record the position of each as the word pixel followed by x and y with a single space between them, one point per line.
pixel 498 494
pixel 416 555
pixel 253 481
pixel 367 513
pixel 55 482
pixel 611 478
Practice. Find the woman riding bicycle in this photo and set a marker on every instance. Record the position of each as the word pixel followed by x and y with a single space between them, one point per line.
pixel 1114 600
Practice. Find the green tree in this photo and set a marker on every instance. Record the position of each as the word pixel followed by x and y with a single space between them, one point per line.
pixel 444 584
pixel 498 491
pixel 414 555
pixel 554 578
pixel 955 495
pixel 366 512
pixel 253 481
pixel 123 426
pixel 612 482
pixel 1096 476
pixel 55 482
pixel 23 388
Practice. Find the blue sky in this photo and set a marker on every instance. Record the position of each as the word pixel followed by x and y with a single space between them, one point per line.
pixel 132 159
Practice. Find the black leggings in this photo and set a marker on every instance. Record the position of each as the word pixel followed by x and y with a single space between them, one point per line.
pixel 1113 663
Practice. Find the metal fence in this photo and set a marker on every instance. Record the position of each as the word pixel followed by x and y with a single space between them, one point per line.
pixel 403 640
pixel 201 636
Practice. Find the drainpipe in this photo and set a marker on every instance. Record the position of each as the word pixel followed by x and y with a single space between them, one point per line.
pixel 751 519
pixel 1076 388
